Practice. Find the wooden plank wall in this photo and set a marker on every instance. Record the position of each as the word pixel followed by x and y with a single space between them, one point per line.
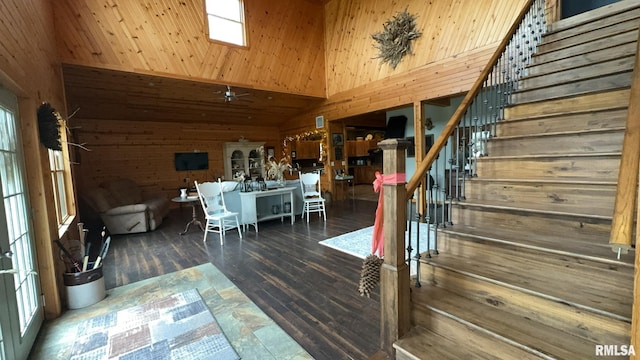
pixel 29 67
pixel 458 38
pixel 285 52
pixel 449 28
pixel 144 151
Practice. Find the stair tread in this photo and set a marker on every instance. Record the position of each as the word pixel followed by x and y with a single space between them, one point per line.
pixel 555 116
pixel 560 244
pixel 564 90
pixel 517 328
pixel 546 181
pixel 571 198
pixel 459 342
pixel 559 133
pixel 547 156
pixel 532 272
pixel 577 73
pixel 498 205
pixel 607 13
pixel 589 16
pixel 597 101
pixel 598 49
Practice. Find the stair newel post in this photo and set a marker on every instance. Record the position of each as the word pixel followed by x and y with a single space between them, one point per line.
pixel 394 272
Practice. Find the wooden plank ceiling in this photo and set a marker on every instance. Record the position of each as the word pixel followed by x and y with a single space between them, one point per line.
pixel 103 94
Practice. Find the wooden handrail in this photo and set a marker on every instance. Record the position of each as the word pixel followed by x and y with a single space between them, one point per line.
pixel 418 176
pixel 627 191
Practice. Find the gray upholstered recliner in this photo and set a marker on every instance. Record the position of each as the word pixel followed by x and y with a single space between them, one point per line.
pixel 124 208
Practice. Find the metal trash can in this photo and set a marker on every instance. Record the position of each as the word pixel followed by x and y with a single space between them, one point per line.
pixel 84 288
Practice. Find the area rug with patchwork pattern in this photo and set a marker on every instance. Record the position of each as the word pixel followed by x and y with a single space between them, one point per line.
pixel 179 326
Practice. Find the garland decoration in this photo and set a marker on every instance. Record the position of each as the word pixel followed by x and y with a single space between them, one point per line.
pixel 49 126
pixel 311 134
pixel 394 42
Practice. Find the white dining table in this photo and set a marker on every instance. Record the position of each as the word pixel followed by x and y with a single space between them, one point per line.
pixel 260 205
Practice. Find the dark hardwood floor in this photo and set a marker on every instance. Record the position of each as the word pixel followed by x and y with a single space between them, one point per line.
pixel 308 289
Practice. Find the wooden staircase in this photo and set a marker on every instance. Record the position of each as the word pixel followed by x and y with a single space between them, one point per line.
pixel 526 271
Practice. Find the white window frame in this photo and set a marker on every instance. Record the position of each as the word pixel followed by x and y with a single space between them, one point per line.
pixel 56 164
pixel 61 182
pixel 227 15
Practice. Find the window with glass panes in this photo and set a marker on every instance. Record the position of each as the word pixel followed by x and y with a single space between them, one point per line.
pixel 226 21
pixel 56 162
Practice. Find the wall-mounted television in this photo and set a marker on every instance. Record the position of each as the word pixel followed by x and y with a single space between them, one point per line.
pixel 191 161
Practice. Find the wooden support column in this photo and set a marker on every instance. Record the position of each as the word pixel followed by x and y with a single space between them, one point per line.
pixel 552 11
pixel 418 126
pixel 394 274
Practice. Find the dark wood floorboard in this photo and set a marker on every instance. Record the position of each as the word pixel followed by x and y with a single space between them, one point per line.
pixel 308 289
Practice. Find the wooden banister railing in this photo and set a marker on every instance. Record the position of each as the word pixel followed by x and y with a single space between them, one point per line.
pixel 418 177
pixel 627 191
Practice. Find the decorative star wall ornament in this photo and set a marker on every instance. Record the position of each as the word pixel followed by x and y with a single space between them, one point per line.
pixel 394 42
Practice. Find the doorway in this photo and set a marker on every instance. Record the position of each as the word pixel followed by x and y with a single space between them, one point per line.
pixel 21 310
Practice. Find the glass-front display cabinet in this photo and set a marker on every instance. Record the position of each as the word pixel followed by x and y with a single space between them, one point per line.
pixel 242 157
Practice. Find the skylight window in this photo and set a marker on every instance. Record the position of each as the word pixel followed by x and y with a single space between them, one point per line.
pixel 226 21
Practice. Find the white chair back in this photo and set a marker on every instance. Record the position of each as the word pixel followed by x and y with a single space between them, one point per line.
pixel 312 195
pixel 310 184
pixel 210 194
pixel 219 219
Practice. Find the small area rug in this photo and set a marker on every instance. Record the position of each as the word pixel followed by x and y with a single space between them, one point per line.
pixel 358 243
pixel 179 326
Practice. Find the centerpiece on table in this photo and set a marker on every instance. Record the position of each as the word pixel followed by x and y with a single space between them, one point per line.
pixel 274 170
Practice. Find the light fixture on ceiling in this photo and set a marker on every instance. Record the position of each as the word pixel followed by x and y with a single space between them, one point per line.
pixel 230 95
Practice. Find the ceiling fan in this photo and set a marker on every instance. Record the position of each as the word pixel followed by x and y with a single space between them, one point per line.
pixel 230 95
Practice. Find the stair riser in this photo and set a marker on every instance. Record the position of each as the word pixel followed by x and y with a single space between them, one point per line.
pixel 584 34
pixel 550 230
pixel 575 122
pixel 580 143
pixel 598 70
pixel 594 327
pixel 604 83
pixel 587 168
pixel 552 197
pixel 619 46
pixel 589 102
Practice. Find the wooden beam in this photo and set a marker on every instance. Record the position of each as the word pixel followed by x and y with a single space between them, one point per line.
pixel 418 126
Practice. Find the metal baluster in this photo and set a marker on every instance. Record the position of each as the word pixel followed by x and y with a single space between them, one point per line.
pixel 418 256
pixel 428 214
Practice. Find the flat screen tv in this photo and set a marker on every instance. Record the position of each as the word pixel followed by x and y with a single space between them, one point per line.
pixel 191 161
pixel 395 127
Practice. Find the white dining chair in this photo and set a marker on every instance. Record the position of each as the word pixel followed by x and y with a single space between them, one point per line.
pixel 219 219
pixel 312 195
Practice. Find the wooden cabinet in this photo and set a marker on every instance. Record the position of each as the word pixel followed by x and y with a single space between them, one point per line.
pixel 365 174
pixel 242 156
pixel 307 149
pixel 359 148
